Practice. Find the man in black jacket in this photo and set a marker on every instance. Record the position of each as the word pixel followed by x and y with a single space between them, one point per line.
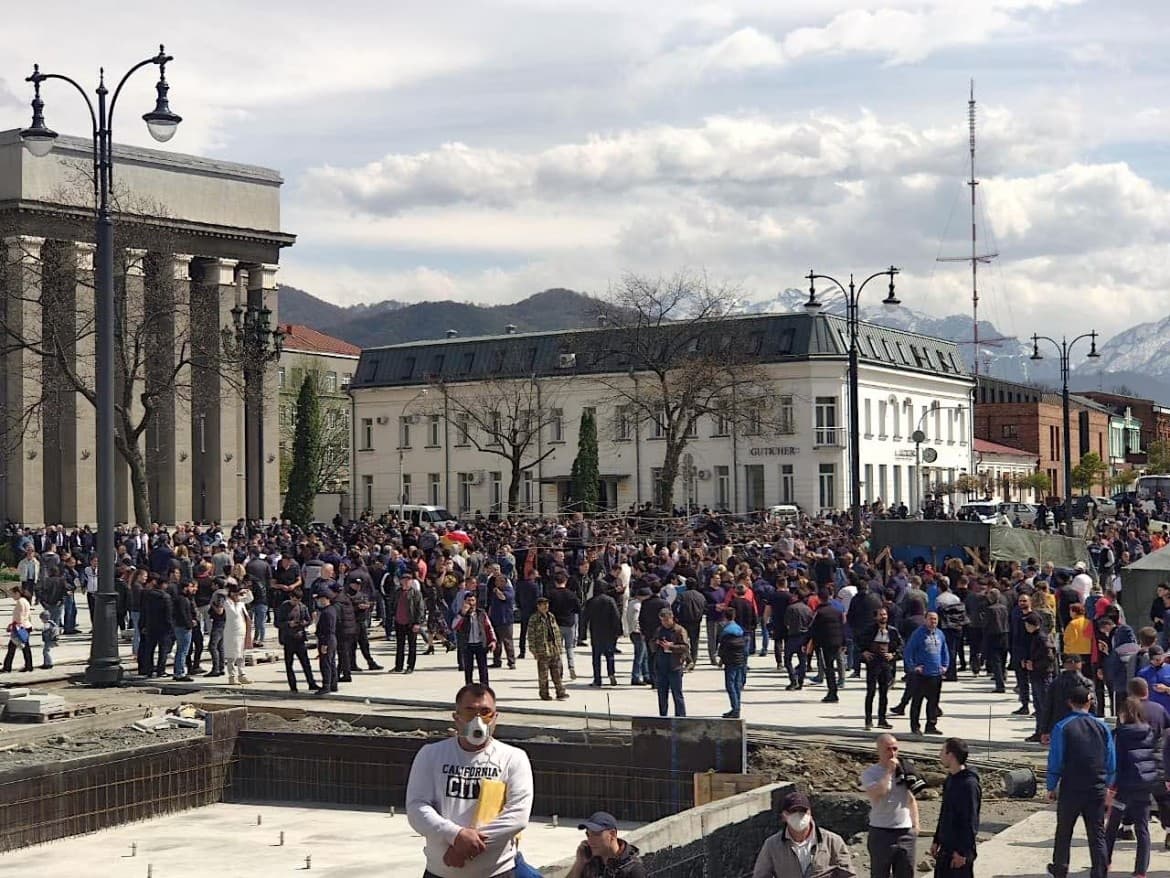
pixel 880 648
pixel 958 817
pixel 183 612
pixel 1069 678
pixel 292 618
pixel 326 639
pixel 604 624
pixel 828 635
pixel 346 633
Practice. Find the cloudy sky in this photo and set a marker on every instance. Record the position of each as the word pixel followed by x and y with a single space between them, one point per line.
pixel 485 151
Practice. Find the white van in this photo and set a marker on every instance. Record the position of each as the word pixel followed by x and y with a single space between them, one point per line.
pixel 784 513
pixel 424 514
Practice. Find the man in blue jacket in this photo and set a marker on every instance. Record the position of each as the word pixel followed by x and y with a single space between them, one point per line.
pixel 1082 763
pixel 926 660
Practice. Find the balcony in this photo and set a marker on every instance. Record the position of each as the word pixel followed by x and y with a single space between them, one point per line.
pixel 829 437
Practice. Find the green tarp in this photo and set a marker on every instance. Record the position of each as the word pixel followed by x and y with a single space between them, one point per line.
pixel 1139 583
pixel 937 540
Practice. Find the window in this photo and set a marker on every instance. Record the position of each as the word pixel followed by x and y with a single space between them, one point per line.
pixel 787 419
pixel 722 425
pixel 368 493
pixel 937 409
pixel 660 421
pixel 869 483
pixel 367 434
pixel 757 343
pixel 883 484
pixel 465 483
pixel 1009 431
pixel 693 428
pixel 406 488
pixel 659 486
pixel 407 367
pixel 722 487
pixel 497 431
pixel 498 360
pixel 826 421
pixel 556 425
pixel 466 363
pixel 787 483
pixel 897 484
pixel 902 353
pixel 437 364
pixel 404 431
pixel 531 359
pixel 331 382
pixel 432 431
pixel 755 421
pixel 434 483
pixel 827 485
pixel 497 492
pixel 346 380
pixel 962 415
pixel 787 337
pixel 868 418
pixel 882 405
pixel 897 418
pixel 624 424
pixel 280 376
pixel 951 426
pixel 526 486
pixel 462 428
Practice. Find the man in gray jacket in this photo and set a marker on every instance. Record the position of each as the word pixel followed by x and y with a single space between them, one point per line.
pixel 802 849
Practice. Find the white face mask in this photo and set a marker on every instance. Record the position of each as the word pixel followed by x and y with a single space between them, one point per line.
pixel 477 731
pixel 798 821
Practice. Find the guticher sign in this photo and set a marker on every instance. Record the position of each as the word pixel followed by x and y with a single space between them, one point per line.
pixel 774 451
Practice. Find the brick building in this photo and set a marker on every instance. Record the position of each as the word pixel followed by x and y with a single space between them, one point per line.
pixel 1154 418
pixel 1031 419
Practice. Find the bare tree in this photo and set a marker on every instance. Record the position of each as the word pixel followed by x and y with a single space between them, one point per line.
pixel 672 352
pixel 48 317
pixel 506 417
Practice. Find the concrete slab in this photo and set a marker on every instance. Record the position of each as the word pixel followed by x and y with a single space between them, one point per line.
pixel 1024 851
pixel 227 839
pixel 39 703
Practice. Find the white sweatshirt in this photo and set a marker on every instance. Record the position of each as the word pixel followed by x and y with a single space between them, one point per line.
pixel 441 798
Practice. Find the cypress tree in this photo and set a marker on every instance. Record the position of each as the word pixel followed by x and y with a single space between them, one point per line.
pixel 585 471
pixel 298 502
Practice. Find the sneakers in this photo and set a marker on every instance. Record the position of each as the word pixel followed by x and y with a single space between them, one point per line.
pixel 731 714
pixel 1033 739
pixel 868 727
pixel 882 724
pixel 244 681
pixel 933 730
pixel 1021 711
pixel 596 684
pixel 830 699
pixel 898 710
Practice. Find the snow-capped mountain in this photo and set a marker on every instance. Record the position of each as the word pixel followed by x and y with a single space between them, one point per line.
pixel 1144 349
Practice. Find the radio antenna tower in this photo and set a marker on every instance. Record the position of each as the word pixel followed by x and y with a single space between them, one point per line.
pixel 976 257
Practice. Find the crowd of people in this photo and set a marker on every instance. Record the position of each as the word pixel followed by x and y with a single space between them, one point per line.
pixel 470 799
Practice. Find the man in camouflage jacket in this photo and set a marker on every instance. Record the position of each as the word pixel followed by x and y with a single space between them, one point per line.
pixel 544 641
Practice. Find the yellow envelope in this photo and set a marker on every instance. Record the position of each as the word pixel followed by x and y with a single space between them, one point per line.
pixel 491 801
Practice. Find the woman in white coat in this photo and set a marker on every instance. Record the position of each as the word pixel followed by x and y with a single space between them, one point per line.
pixel 237 630
pixel 19 630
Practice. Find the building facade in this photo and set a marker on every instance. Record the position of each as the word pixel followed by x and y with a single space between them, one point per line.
pixel 1001 466
pixel 1031 419
pixel 907 382
pixel 204 232
pixel 331 362
pixel 1152 417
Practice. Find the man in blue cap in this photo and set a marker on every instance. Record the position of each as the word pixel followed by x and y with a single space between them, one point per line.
pixel 602 854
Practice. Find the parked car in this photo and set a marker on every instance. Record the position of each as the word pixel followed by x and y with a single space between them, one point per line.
pixel 986 513
pixel 1104 506
pixel 1025 512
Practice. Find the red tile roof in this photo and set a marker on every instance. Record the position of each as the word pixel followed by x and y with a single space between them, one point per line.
pixel 985 447
pixel 298 337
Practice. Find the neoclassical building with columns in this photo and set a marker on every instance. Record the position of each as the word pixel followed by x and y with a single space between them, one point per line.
pixel 205 231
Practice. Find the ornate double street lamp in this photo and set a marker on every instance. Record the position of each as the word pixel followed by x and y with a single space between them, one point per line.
pixel 1064 349
pixel 254 343
pixel 104 668
pixel 852 293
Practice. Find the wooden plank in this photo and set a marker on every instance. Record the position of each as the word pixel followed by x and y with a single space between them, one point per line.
pixel 711 786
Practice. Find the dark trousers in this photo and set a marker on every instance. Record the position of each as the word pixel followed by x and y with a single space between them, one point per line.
pixel 975 643
pixel 829 656
pixel 524 617
pixel 25 650
pixel 669 682
pixel 362 642
pixel 327 665
pixel 928 689
pixel 794 648
pixel 1021 684
pixel 154 642
pixel 297 649
pixel 1099 691
pixel 599 650
pixel 954 638
pixel 891 852
pixel 1135 807
pixel 474 656
pixel 345 658
pixel 1040 681
pixel 693 634
pixel 196 646
pixel 1089 807
pixel 215 647
pixel 994 652
pixel 878 676
pixel 405 645
pixel 944 869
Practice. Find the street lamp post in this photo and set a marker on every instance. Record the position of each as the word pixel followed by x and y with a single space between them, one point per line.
pixel 852 293
pixel 919 436
pixel 255 344
pixel 1064 349
pixel 401 449
pixel 105 668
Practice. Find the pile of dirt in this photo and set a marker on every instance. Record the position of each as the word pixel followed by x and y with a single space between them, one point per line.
pixel 72 746
pixel 321 725
pixel 813 769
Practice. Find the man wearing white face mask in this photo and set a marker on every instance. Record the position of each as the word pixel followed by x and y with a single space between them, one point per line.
pixel 802 849
pixel 470 796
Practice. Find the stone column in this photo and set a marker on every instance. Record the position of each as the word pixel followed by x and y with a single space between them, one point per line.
pixel 20 438
pixel 168 382
pixel 217 404
pixel 262 292
pixel 77 424
pixel 130 287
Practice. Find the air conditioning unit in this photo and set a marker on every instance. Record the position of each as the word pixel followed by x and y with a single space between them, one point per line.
pixel 703 474
pixel 477 477
pixel 381 419
pixel 567 361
